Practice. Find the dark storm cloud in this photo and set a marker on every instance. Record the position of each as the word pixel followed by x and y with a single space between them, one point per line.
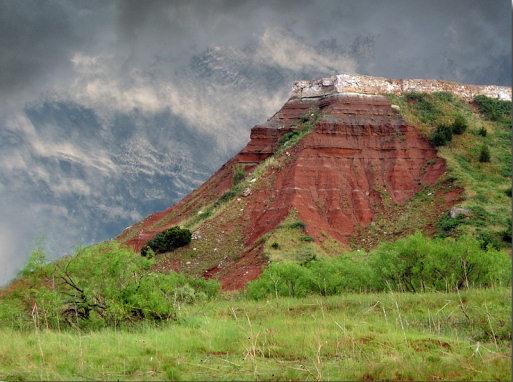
pixel 111 110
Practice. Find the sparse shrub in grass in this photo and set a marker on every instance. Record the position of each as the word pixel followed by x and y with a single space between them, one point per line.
pixel 441 136
pixel 446 225
pixel 305 255
pixel 459 125
pixel 424 106
pixel 482 132
pixel 508 192
pixel 238 174
pixel 297 224
pixel 415 263
pixel 488 239
pixel 170 239
pixel 226 197
pixel 306 238
pixel 494 109
pixel 484 155
pixel 275 245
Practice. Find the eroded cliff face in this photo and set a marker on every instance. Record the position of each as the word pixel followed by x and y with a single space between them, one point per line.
pixel 359 154
pixel 338 174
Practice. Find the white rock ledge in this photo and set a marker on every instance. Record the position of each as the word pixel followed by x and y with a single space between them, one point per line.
pixel 353 83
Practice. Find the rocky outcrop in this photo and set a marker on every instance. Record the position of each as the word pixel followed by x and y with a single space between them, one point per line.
pixel 349 83
pixel 360 154
pixel 339 174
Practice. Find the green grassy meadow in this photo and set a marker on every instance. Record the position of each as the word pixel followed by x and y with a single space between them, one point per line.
pixel 423 336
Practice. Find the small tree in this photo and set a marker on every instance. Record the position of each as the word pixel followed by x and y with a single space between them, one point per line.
pixel 441 135
pixel 482 132
pixel 169 240
pixel 459 125
pixel 484 155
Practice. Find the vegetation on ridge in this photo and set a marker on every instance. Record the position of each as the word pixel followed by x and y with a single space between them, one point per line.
pixel 478 160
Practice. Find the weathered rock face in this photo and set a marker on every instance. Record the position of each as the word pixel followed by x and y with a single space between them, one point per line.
pixel 338 174
pixel 360 153
pixel 349 83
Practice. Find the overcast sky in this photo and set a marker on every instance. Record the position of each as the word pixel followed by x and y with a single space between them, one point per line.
pixel 111 110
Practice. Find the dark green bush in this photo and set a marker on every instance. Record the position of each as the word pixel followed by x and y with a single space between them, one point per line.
pixel 459 125
pixel 170 239
pixel 288 137
pixel 446 225
pixel 482 132
pixel 508 192
pixel 441 136
pixel 484 154
pixel 488 239
pixel 275 245
pixel 297 224
pixel 494 109
pixel 416 263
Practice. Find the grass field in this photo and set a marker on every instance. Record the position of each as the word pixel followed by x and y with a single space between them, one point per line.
pixel 458 336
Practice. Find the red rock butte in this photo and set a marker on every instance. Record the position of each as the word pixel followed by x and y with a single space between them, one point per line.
pixel 332 177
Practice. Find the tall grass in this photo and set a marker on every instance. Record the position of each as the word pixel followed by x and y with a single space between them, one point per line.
pixel 352 337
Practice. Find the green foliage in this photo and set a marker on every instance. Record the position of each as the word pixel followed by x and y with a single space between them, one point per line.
pixel 275 245
pixel 306 238
pixel 417 264
pixel 107 285
pixel 288 137
pixel 459 125
pixel 441 135
pixel 238 174
pixel 147 252
pixel 291 138
pixel 226 197
pixel 447 225
pixel 484 154
pixel 494 109
pixel 424 106
pixel 412 264
pixel 482 132
pixel 35 263
pixel 170 239
pixel 298 224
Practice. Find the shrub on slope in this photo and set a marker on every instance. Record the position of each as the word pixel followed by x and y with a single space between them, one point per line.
pixel 415 263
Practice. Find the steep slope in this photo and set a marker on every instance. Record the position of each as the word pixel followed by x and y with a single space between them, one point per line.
pixel 336 157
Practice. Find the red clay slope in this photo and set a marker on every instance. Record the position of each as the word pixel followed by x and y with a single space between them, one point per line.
pixel 335 177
